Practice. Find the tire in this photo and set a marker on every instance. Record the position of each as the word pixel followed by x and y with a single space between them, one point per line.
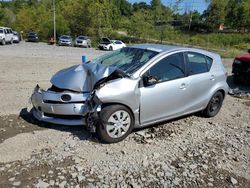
pixel 3 42
pixel 11 41
pixel 110 48
pixel 116 123
pixel 214 105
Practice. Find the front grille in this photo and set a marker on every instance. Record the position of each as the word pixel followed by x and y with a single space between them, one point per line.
pixel 61 102
pixel 68 117
pixel 59 90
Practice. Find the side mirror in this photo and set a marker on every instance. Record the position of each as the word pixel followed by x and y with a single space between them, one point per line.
pixel 150 80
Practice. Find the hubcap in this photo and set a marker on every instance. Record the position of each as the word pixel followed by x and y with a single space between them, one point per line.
pixel 215 103
pixel 118 124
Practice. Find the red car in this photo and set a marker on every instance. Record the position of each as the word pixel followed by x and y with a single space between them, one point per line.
pixel 241 68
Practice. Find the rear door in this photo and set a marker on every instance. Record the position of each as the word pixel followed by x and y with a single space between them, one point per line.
pixel 168 97
pixel 201 79
pixel 117 45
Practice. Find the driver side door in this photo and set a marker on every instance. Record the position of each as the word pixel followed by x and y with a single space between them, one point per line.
pixel 168 94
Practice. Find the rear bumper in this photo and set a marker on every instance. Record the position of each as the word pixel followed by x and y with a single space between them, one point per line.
pixel 49 107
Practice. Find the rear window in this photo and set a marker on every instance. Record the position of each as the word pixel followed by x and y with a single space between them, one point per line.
pixel 197 63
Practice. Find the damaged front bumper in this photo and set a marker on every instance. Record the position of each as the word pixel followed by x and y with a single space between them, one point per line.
pixel 65 108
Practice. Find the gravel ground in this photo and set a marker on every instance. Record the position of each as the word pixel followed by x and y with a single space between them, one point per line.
pixel 187 152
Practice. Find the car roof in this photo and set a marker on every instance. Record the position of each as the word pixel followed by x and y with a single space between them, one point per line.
pixel 5 28
pixel 168 48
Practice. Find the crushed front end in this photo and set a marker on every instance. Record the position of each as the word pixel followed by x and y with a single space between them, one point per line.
pixel 59 107
pixel 71 100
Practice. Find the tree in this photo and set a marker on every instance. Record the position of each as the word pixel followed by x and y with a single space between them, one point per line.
pixel 140 25
pixel 141 6
pixel 157 10
pixel 216 12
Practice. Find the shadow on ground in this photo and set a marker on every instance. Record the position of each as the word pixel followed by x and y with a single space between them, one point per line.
pixel 79 131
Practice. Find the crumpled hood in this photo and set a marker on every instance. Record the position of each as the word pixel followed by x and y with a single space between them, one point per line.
pixel 81 78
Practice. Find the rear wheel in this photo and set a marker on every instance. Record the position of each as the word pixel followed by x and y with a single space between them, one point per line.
pixel 110 48
pixel 116 123
pixel 214 105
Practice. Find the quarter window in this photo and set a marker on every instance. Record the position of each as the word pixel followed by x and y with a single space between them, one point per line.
pixel 169 68
pixel 209 62
pixel 197 62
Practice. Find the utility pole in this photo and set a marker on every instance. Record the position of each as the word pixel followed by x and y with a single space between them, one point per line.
pixel 191 16
pixel 54 12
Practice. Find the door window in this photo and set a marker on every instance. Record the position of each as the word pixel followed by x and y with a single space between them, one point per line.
pixel 118 42
pixel 169 68
pixel 197 63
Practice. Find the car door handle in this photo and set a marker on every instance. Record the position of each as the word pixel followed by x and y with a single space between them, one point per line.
pixel 212 77
pixel 183 86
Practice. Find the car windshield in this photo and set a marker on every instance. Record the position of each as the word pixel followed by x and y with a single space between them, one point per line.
pixel 82 37
pixel 32 34
pixel 65 37
pixel 1 31
pixel 127 59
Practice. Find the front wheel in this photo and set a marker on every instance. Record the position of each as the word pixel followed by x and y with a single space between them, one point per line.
pixel 116 123
pixel 110 48
pixel 3 42
pixel 214 105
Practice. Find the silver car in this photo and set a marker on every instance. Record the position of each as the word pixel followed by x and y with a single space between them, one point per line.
pixel 133 87
pixel 83 41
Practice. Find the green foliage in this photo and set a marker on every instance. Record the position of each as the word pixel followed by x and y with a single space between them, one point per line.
pixel 142 22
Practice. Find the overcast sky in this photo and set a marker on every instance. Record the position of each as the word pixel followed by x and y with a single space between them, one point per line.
pixel 199 5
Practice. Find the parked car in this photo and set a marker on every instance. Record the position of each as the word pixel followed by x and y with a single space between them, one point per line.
pixel 16 37
pixel 6 35
pixel 65 40
pixel 107 44
pixel 83 41
pixel 133 87
pixel 32 37
pixel 241 68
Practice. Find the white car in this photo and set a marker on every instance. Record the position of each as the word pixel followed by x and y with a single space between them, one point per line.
pixel 16 37
pixel 6 35
pixel 107 44
pixel 83 41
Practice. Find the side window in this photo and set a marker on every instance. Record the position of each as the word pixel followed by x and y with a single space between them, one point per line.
pixel 5 31
pixel 209 62
pixel 169 68
pixel 118 42
pixel 197 63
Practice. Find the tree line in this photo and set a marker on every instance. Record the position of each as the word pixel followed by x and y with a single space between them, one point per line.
pixel 98 18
